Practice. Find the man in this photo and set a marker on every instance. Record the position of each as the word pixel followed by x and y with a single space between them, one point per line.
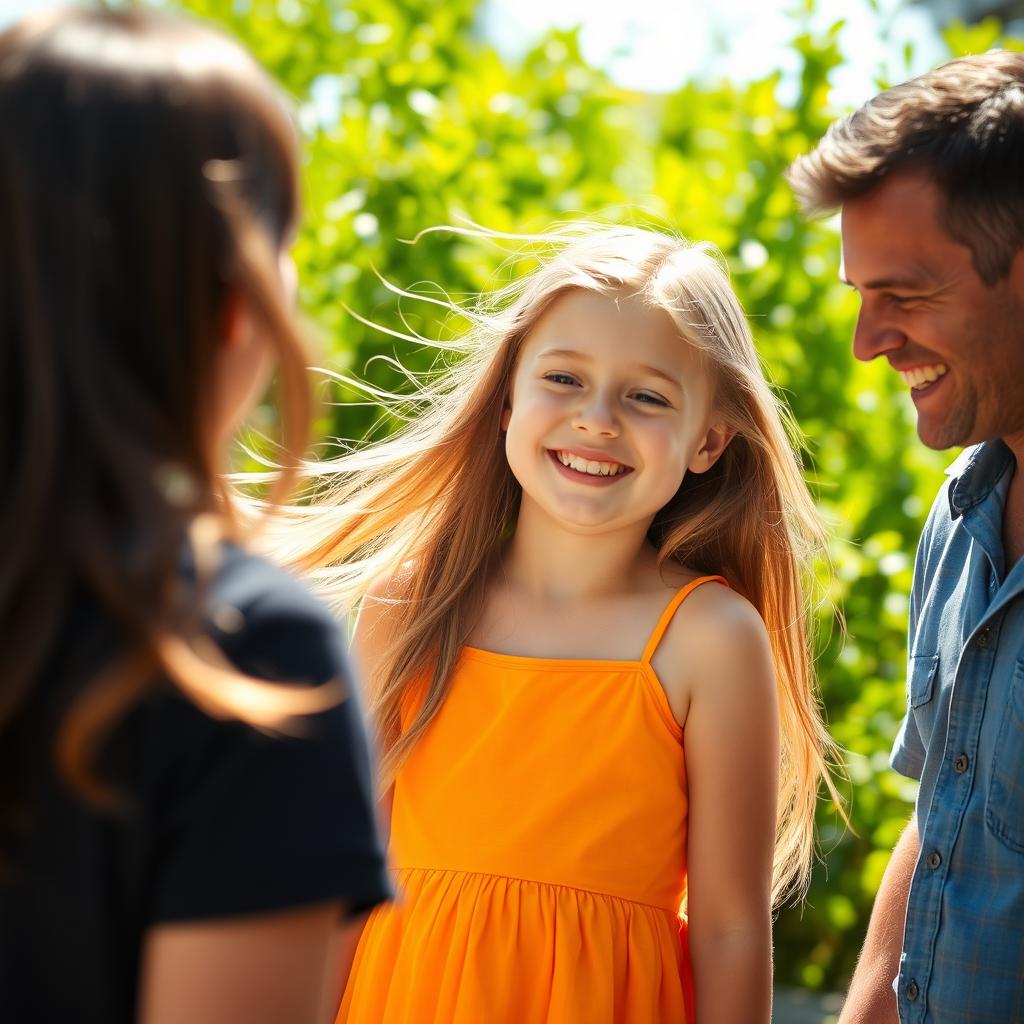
pixel 929 176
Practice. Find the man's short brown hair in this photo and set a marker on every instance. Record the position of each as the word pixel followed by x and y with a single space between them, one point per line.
pixel 963 126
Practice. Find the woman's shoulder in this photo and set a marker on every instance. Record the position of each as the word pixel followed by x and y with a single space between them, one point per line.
pixel 293 804
pixel 268 622
pixel 261 588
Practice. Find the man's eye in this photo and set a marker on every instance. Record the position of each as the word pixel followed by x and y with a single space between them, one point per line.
pixel 899 300
pixel 560 378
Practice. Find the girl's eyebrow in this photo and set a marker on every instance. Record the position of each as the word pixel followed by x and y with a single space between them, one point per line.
pixel 567 353
pixel 564 353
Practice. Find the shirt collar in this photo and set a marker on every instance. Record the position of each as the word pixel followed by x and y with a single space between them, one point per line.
pixel 974 473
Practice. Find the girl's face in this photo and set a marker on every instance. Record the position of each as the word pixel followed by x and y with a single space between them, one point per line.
pixel 609 408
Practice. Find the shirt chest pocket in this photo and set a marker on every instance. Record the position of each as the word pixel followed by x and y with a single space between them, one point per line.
pixel 1004 812
pixel 921 672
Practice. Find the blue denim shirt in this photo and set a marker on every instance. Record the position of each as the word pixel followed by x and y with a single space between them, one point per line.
pixel 963 737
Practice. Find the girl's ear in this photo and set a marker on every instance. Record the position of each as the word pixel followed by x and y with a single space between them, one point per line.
pixel 506 412
pixel 715 441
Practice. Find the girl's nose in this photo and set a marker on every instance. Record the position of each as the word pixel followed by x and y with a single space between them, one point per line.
pixel 596 416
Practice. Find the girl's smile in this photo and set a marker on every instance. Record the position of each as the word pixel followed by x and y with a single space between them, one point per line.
pixel 610 407
pixel 589 467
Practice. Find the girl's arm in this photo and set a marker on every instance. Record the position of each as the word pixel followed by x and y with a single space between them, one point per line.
pixel 731 742
pixel 368 642
pixel 374 629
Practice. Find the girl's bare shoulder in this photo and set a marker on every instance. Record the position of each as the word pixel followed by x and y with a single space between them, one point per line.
pixel 716 648
pixel 381 607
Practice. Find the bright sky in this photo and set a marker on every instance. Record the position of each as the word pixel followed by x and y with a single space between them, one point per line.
pixel 659 44
pixel 11 9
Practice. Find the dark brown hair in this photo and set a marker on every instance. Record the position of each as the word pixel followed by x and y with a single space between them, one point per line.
pixel 962 125
pixel 148 172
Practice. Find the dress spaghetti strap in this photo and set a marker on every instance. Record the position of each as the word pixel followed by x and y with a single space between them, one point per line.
pixel 666 616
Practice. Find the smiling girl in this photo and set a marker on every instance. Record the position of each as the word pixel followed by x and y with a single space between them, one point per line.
pixel 584 625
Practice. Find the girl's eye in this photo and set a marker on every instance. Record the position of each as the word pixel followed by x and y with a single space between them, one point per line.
pixel 560 378
pixel 647 398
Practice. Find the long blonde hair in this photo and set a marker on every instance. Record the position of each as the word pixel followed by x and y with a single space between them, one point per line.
pixel 439 497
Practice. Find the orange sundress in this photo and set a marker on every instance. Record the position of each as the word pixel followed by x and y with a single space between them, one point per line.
pixel 538 837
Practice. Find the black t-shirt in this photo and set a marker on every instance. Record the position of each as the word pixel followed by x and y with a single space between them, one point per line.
pixel 222 820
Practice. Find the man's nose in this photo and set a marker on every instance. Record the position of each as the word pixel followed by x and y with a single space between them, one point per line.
pixel 873 337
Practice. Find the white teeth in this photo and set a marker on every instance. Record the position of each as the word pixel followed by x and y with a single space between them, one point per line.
pixel 589 466
pixel 921 376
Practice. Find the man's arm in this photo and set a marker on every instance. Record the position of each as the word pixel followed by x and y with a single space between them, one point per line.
pixel 871 999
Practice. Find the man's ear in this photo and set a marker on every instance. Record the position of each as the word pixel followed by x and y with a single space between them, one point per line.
pixel 715 441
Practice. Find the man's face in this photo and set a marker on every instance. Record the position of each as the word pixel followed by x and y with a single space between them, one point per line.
pixel 957 343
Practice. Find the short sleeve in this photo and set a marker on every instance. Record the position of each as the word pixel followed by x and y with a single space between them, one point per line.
pixel 245 822
pixel 908 749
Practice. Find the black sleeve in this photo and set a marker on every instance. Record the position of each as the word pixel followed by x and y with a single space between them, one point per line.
pixel 245 822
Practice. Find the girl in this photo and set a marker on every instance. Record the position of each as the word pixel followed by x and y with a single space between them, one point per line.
pixel 586 630
pixel 163 860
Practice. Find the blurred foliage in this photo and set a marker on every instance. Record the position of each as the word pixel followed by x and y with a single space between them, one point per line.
pixel 412 120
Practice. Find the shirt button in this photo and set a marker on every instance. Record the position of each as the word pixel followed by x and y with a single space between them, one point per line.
pixel 961 764
pixel 983 636
pixel 913 991
pixel 934 859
